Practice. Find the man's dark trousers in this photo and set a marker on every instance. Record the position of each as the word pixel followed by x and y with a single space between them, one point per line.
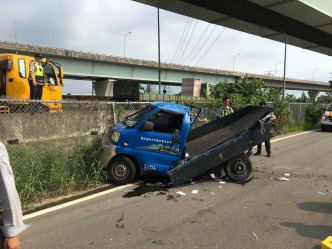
pixel 36 92
pixel 267 147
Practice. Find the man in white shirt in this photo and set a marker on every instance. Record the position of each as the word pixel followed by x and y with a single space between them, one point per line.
pixel 10 204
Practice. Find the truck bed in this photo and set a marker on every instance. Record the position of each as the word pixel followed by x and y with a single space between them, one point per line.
pixel 216 132
pixel 221 153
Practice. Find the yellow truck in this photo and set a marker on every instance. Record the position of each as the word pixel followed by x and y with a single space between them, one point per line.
pixel 14 83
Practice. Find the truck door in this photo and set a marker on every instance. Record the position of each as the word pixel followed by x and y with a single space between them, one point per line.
pixel 52 88
pixel 159 144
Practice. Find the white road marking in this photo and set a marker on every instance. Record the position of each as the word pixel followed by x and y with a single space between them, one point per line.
pixel 67 204
pixel 295 135
pixel 70 203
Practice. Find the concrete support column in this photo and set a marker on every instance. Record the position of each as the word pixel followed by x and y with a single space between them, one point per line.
pixel 104 87
pixel 313 94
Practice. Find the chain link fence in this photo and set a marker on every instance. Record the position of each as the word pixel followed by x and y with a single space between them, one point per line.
pixel 53 145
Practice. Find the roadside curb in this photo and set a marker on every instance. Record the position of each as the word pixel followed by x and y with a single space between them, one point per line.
pixel 66 198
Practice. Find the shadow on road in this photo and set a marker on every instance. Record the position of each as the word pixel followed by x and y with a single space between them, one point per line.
pixel 319 207
pixel 312 231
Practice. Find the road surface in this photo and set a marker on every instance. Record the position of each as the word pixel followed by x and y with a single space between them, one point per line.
pixel 263 213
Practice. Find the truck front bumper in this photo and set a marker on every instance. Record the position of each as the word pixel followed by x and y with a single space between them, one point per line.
pixel 106 150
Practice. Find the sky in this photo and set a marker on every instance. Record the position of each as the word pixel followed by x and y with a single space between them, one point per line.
pixel 102 26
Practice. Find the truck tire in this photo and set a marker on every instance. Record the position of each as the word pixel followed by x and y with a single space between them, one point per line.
pixel 122 170
pixel 238 168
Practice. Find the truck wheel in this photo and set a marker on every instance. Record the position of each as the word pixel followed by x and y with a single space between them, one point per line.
pixel 238 168
pixel 122 170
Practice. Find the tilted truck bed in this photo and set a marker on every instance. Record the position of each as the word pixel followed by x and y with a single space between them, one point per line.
pixel 210 135
pixel 221 153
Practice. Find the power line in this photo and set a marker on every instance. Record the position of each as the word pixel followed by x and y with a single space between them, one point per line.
pixel 199 40
pixel 184 37
pixel 190 36
pixel 201 47
pixel 176 51
pixel 215 40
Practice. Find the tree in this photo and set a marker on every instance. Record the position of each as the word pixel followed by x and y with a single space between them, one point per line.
pixel 241 93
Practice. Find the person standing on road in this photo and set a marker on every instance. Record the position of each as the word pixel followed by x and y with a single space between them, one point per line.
pixel 222 111
pixel 267 143
pixel 225 109
pixel 10 203
pixel 36 77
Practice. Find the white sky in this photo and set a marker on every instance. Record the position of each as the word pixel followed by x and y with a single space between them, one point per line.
pixel 100 26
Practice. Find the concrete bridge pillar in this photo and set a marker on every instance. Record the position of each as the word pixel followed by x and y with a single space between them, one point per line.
pixel 104 87
pixel 313 94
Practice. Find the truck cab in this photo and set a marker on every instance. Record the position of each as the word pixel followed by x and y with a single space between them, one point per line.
pixel 327 118
pixel 150 140
pixel 14 83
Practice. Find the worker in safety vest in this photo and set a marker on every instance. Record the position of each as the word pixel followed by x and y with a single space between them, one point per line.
pixel 222 111
pixel 225 109
pixel 36 77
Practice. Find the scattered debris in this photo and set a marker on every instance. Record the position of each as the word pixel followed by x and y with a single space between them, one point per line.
pixel 283 179
pixel 286 174
pixel 321 193
pixel 255 235
pixel 181 193
pixel 211 193
pixel 193 182
pixel 195 191
pixel 128 190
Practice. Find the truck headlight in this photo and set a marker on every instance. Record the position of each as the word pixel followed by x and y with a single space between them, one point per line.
pixel 115 136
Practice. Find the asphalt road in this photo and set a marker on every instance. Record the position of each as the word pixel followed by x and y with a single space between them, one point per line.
pixel 263 213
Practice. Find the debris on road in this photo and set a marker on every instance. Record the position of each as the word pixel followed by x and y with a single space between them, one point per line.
pixel 321 193
pixel 286 174
pixel 128 190
pixel 283 179
pixel 181 193
pixel 195 191
pixel 255 235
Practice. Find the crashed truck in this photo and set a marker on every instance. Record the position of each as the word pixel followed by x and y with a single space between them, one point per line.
pixel 160 139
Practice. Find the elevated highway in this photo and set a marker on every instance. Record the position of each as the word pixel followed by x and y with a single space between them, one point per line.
pixel 100 67
pixel 306 23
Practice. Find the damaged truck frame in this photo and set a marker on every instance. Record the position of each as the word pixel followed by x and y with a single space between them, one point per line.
pixel 159 139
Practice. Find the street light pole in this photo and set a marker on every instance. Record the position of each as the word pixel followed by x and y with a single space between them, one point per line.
pixel 285 56
pixel 234 60
pixel 124 44
pixel 275 68
pixel 159 54
pixel 313 74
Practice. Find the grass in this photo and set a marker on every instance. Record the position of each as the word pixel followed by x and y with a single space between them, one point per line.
pixel 301 126
pixel 55 168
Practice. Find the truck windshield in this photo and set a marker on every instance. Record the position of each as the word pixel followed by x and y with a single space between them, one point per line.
pixel 133 119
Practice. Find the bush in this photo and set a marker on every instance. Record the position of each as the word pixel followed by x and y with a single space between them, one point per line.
pixel 313 113
pixel 57 170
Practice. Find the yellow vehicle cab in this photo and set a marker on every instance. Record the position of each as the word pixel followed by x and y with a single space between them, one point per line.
pixel 14 83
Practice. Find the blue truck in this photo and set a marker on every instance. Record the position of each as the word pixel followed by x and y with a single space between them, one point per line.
pixel 160 139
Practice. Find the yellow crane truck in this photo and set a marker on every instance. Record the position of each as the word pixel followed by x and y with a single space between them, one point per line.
pixel 14 83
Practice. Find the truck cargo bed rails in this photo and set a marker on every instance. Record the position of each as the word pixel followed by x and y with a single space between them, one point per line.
pixel 221 153
pixel 210 135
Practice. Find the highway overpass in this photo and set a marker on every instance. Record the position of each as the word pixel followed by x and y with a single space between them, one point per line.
pixel 100 68
pixel 306 23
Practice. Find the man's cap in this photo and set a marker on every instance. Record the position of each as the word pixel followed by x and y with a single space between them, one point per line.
pixel 39 55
